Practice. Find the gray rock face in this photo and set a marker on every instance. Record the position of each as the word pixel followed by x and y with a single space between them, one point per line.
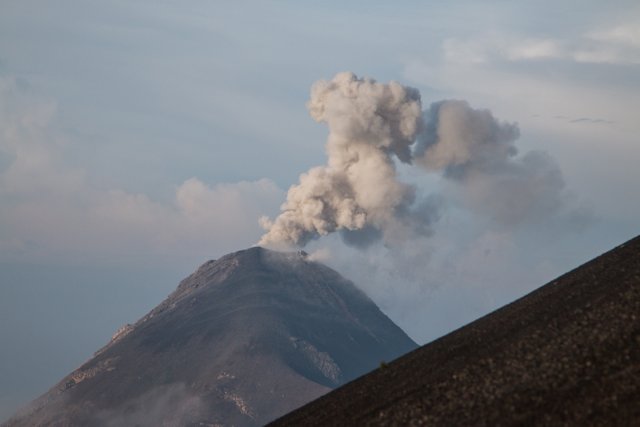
pixel 241 341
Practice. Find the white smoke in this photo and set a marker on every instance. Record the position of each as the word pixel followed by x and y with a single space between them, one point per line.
pixel 358 193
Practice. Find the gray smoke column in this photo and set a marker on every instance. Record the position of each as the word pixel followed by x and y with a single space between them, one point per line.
pixel 369 123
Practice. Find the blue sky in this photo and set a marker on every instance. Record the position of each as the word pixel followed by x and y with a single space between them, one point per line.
pixel 139 139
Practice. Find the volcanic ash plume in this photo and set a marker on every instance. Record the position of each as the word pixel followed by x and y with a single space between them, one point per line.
pixel 357 192
pixel 477 153
pixel 458 138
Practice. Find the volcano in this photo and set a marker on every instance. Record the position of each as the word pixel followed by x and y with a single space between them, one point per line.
pixel 243 340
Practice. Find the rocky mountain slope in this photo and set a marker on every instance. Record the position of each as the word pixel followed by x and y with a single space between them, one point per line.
pixel 566 354
pixel 241 341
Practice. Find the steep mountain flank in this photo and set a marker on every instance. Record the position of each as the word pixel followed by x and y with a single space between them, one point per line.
pixel 241 341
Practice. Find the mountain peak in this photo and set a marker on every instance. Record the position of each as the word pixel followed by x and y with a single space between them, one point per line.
pixel 214 272
pixel 242 340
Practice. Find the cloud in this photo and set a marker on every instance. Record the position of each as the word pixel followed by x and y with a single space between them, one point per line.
pixel 53 212
pixel 532 49
pixel 479 50
pixel 32 148
pixel 619 45
pixel 483 69
pixel 622 34
pixel 120 226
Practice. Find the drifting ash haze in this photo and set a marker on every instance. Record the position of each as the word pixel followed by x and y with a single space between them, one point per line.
pixel 371 126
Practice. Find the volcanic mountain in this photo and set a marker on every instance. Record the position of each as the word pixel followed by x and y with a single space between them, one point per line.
pixel 566 354
pixel 241 341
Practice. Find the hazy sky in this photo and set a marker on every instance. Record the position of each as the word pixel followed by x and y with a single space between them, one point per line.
pixel 140 138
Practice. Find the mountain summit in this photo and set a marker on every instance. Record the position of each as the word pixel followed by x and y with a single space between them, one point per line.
pixel 241 341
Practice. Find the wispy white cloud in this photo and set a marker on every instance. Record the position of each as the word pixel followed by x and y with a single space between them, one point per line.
pixel 618 45
pixel 615 45
pixel 499 46
pixel 531 49
pixel 527 77
pixel 623 34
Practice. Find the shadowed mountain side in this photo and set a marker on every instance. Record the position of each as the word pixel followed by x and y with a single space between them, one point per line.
pixel 241 341
pixel 567 353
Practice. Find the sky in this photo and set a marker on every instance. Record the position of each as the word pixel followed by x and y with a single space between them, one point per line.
pixel 139 139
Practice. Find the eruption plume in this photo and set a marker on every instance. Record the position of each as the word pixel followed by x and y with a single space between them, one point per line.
pixel 358 193
pixel 478 154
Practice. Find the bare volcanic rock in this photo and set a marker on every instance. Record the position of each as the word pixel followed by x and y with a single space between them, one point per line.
pixel 241 341
pixel 566 354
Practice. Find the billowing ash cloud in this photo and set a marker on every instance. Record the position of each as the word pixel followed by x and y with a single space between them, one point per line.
pixel 478 153
pixel 358 192
pixel 458 138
